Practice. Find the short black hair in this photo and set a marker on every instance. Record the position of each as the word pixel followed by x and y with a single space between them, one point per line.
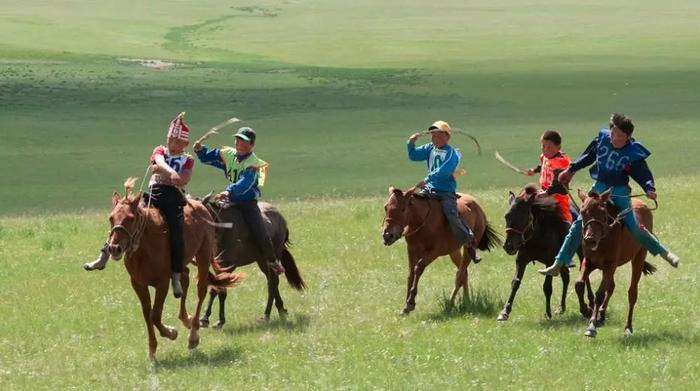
pixel 622 122
pixel 553 136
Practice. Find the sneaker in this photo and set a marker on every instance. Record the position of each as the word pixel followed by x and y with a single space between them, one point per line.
pixel 99 263
pixel 551 270
pixel 177 287
pixel 671 258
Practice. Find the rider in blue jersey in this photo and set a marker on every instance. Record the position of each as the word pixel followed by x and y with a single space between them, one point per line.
pixel 616 157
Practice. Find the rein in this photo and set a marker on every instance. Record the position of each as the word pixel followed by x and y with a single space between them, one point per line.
pixel 530 226
pixel 425 220
pixel 135 237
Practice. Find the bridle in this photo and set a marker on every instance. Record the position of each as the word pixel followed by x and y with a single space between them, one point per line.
pixel 529 226
pixel 607 227
pixel 388 220
pixel 135 236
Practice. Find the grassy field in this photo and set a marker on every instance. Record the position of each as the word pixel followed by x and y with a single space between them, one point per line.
pixel 328 101
pixel 65 328
pixel 334 89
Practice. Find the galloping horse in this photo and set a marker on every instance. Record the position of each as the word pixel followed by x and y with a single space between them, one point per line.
pixel 140 234
pixel 237 248
pixel 428 236
pixel 535 229
pixel 607 244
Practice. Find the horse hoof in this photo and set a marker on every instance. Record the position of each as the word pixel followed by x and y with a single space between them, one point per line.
pixel 502 317
pixel 628 332
pixel 560 311
pixel 405 312
pixel 548 316
pixel 204 323
pixel 591 333
pixel 193 344
pixel 218 325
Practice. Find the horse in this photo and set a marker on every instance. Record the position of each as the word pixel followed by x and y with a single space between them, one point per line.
pixel 237 248
pixel 607 245
pixel 428 235
pixel 139 233
pixel 535 230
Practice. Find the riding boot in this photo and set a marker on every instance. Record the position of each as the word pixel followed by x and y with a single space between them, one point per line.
pixel 177 287
pixel 671 258
pixel 476 258
pixel 552 270
pixel 100 262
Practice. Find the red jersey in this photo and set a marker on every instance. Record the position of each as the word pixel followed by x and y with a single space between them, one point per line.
pixel 559 161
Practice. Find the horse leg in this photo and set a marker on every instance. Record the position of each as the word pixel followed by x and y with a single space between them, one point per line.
pixel 459 274
pixel 157 312
pixel 204 321
pixel 547 289
pixel 412 261
pixel 599 299
pixel 279 303
pixel 202 283
pixel 520 265
pixel 582 284
pixel 466 261
pixel 185 282
pixel 418 272
pixel 145 299
pixel 565 278
pixel 271 276
pixel 222 309
pixel 637 265
pixel 604 307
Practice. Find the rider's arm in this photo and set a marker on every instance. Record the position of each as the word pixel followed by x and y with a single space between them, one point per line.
pixel 640 172
pixel 211 157
pixel 587 158
pixel 419 153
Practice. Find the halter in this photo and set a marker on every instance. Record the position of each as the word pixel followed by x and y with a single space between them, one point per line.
pixel 608 227
pixel 529 226
pixel 135 237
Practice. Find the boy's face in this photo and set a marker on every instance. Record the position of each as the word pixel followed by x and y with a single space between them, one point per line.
pixel 439 139
pixel 618 137
pixel 176 146
pixel 549 149
pixel 243 146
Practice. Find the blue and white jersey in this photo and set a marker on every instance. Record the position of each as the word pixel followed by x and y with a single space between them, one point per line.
pixel 614 166
pixel 442 163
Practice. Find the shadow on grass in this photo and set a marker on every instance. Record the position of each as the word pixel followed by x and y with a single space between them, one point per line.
pixel 480 303
pixel 222 357
pixel 565 320
pixel 297 323
pixel 651 340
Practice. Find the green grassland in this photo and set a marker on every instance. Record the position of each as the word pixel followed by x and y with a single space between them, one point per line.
pixel 65 328
pixel 333 89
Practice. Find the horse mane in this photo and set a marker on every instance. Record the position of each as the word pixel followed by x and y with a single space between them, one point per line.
pixel 544 207
pixel 129 184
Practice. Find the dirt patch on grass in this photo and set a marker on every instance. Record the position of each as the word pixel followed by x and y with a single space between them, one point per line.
pixel 150 63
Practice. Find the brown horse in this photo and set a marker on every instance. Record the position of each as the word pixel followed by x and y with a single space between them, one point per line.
pixel 140 233
pixel 428 236
pixel 607 244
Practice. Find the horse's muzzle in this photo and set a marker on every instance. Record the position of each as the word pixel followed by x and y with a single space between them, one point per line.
pixel 591 242
pixel 115 251
pixel 509 248
pixel 390 238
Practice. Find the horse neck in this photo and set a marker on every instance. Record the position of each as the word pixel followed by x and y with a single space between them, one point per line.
pixel 417 210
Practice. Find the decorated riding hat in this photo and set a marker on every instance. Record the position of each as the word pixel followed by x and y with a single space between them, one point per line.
pixel 178 129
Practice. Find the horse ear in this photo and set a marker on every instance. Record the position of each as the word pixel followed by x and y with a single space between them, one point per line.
pixel 115 199
pixel 581 195
pixel 511 198
pixel 391 189
pixel 604 196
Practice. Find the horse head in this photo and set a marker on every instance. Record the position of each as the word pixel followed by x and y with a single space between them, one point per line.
pixel 126 222
pixel 594 215
pixel 394 215
pixel 519 219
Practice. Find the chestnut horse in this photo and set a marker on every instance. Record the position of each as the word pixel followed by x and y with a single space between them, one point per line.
pixel 428 236
pixel 140 234
pixel 607 244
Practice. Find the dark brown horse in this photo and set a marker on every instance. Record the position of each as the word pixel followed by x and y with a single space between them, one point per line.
pixel 236 248
pixel 607 244
pixel 535 229
pixel 428 236
pixel 140 234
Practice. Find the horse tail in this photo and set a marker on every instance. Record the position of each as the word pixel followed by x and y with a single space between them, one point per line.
pixel 489 239
pixel 223 279
pixel 648 268
pixel 290 267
